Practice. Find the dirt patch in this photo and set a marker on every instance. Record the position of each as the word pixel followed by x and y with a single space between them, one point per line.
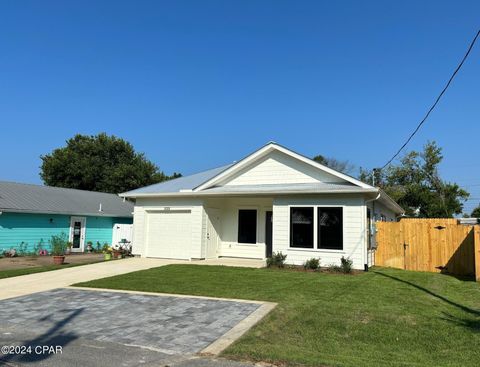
pixel 22 262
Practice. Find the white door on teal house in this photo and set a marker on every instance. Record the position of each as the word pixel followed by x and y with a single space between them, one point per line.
pixel 77 233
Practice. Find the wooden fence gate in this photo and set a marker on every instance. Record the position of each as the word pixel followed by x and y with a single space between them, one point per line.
pixel 435 245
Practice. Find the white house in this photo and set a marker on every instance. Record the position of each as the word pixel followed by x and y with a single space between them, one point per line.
pixel 272 200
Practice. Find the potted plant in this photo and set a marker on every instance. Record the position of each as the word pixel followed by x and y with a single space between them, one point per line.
pixel 107 252
pixel 89 246
pixel 59 245
pixel 117 252
pixel 68 250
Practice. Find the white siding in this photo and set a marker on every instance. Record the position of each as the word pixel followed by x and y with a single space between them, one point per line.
pixel 379 210
pixel 143 205
pixel 354 245
pixel 278 168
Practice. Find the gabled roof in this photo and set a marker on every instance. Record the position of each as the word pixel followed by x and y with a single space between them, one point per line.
pixel 205 182
pixel 27 198
pixel 270 147
pixel 209 183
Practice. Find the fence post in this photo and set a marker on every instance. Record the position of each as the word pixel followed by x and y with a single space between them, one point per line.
pixel 476 247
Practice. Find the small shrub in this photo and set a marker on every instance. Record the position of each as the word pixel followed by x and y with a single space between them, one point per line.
pixel 277 259
pixel 312 264
pixel 106 248
pixel 334 268
pixel 59 244
pixel 346 265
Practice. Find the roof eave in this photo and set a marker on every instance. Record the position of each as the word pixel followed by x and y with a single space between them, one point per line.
pixel 390 202
pixel 279 192
pixel 53 212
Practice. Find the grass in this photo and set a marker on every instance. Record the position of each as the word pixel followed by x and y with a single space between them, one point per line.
pixel 385 317
pixel 39 269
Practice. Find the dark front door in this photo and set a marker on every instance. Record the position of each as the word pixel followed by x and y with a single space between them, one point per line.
pixel 268 233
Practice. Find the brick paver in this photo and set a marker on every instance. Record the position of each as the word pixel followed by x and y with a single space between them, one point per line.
pixel 172 325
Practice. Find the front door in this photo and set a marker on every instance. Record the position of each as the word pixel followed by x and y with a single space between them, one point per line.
pixel 77 233
pixel 268 233
pixel 213 228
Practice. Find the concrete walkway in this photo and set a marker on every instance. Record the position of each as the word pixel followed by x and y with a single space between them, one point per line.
pixel 39 282
pixel 32 283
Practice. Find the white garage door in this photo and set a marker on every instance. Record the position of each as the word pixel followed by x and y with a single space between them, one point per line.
pixel 169 234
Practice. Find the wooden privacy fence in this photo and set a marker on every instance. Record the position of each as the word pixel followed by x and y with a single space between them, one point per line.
pixel 435 245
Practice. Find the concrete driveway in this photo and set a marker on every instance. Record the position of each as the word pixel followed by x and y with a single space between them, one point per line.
pixel 111 328
pixel 28 284
pixel 38 282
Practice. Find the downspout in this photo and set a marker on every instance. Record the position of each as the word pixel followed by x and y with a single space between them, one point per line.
pixel 372 215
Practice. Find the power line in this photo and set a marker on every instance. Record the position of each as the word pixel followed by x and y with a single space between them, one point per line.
pixel 436 101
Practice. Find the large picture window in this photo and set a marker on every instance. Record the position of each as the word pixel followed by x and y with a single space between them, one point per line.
pixel 247 226
pixel 301 227
pixel 330 228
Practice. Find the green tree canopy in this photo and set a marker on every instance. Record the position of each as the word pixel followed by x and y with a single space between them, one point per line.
pixel 416 185
pixel 99 163
pixel 475 212
pixel 337 165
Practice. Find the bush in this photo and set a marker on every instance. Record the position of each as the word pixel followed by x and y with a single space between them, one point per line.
pixel 59 244
pixel 312 264
pixel 277 259
pixel 346 265
pixel 334 268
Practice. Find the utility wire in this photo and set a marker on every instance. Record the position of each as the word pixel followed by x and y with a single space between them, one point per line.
pixel 436 101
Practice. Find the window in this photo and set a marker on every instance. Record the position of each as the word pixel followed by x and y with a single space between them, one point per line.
pixel 301 227
pixel 330 228
pixel 247 226
pixel 369 229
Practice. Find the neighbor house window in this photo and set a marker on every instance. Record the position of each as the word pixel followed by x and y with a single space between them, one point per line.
pixel 330 228
pixel 247 226
pixel 301 227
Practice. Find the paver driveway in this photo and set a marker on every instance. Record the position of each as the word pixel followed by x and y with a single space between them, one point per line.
pixel 111 326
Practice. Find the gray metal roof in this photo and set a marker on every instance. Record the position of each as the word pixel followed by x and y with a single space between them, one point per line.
pixel 320 187
pixel 27 198
pixel 181 183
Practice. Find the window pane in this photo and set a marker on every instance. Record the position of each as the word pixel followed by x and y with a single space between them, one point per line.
pixel 247 226
pixel 301 227
pixel 330 228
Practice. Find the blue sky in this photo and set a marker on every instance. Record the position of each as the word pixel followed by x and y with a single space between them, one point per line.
pixel 196 84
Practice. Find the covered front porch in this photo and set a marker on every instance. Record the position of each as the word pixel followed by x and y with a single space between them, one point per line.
pixel 237 227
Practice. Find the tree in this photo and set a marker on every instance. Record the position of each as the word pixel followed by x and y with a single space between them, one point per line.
pixel 416 185
pixel 99 163
pixel 337 165
pixel 475 212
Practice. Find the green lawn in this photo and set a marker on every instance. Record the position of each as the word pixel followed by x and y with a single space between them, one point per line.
pixel 38 269
pixel 384 317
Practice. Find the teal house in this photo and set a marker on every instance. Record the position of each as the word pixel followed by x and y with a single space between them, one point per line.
pixel 31 214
